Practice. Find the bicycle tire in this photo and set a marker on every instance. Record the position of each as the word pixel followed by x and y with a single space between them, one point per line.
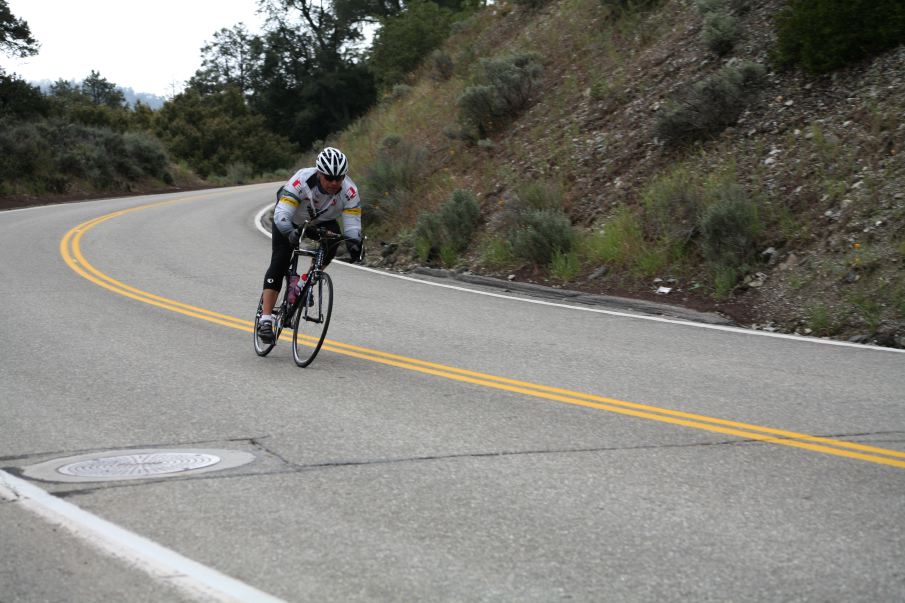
pixel 312 320
pixel 262 348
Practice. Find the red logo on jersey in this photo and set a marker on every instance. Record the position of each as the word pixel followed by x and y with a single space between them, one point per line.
pixel 352 192
pixel 297 183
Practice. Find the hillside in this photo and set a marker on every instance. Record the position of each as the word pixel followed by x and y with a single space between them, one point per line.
pixel 819 157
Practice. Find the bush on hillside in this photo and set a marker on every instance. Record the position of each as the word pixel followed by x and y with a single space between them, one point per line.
pixel 720 32
pixel 146 155
pixel 710 105
pixel 25 157
pixel 49 155
pixel 540 235
pixel 459 216
pixel 729 228
pixel 515 79
pixel 540 195
pixel 428 236
pixel 479 108
pixel 672 207
pixel 441 66
pixel 629 5
pixel 823 35
pixel 510 86
pixel 447 232
pixel 737 7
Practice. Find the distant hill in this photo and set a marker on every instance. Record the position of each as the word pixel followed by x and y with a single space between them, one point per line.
pixel 151 100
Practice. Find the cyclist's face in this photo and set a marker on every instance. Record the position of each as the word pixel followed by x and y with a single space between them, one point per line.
pixel 331 186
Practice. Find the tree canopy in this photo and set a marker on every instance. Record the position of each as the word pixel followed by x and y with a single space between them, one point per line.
pixel 15 35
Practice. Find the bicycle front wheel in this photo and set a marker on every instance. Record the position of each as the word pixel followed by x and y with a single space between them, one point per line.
pixel 311 320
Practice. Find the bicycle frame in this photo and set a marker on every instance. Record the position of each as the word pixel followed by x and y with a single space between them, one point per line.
pixel 318 256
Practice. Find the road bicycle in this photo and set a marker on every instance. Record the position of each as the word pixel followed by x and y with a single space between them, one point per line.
pixel 308 315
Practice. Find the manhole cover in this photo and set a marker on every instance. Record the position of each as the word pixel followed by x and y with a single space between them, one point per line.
pixel 140 465
pixel 136 464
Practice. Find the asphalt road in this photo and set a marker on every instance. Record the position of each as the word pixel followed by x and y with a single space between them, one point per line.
pixel 446 445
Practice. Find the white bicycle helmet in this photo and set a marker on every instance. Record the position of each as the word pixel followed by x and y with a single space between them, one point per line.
pixel 331 162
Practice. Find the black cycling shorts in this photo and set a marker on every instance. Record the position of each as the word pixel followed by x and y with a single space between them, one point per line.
pixel 281 254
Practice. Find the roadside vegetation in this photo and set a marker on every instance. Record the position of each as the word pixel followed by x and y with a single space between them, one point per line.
pixel 743 155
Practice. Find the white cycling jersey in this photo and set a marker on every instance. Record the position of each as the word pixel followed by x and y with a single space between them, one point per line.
pixel 301 199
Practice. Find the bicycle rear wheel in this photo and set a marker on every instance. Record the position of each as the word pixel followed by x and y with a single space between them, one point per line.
pixel 262 348
pixel 312 319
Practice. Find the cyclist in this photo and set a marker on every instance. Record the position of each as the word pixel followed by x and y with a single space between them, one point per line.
pixel 319 195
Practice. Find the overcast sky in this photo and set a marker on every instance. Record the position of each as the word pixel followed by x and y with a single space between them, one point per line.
pixel 149 46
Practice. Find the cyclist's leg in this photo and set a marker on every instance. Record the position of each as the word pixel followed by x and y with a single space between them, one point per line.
pixel 281 254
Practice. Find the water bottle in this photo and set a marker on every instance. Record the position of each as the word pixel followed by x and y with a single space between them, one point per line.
pixel 294 289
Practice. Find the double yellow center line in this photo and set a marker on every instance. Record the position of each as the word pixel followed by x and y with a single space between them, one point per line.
pixel 71 251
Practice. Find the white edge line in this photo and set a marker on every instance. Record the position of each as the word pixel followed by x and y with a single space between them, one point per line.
pixel 169 567
pixel 739 330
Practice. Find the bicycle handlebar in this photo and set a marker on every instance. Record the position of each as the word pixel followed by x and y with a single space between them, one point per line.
pixel 324 233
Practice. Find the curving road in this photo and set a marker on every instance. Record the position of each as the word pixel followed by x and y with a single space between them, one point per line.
pixel 446 445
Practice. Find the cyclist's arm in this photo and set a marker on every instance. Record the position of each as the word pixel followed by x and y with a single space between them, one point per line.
pixel 351 211
pixel 287 204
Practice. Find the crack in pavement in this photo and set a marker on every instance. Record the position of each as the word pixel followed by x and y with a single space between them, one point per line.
pixel 294 468
pixel 289 467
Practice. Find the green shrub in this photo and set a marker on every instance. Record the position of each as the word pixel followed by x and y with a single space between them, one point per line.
pixel 147 154
pixel 725 278
pixel 448 231
pixel 650 260
pixel 442 66
pixel 720 32
pixel 540 195
pixel 496 252
pixel 729 228
pixel 735 7
pixel 515 79
pixel 510 86
pixel 459 217
pixel 709 105
pixel 821 321
pixel 101 156
pixel 565 265
pixel 448 255
pixel 672 206
pixel 822 35
pixel 710 6
pixel 238 172
pixel 24 152
pixel 428 235
pixel 540 234
pixel 621 239
pixel 479 107
pixel 620 6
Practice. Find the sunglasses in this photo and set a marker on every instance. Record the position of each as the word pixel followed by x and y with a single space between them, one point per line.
pixel 332 178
